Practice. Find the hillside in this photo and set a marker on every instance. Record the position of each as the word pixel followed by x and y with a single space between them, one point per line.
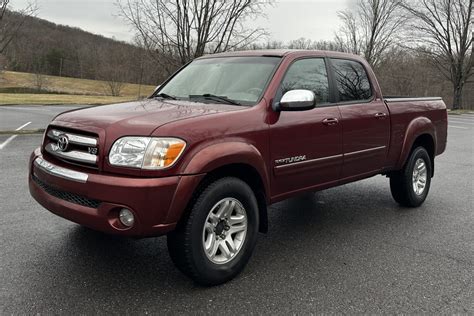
pixel 45 47
pixel 48 63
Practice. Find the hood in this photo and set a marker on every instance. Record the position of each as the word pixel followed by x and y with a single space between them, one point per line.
pixel 140 117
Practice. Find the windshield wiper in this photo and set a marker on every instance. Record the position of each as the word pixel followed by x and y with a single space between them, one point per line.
pixel 165 96
pixel 215 98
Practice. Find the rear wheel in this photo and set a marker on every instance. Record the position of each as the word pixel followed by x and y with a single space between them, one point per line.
pixel 215 241
pixel 410 185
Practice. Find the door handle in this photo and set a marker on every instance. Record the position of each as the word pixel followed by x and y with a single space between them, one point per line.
pixel 330 121
pixel 380 115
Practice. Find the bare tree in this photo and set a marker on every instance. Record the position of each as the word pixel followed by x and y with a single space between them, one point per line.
pixel 349 36
pixel 300 43
pixel 408 72
pixel 111 71
pixel 10 27
pixel 3 8
pixel 268 45
pixel 304 43
pixel 4 39
pixel 113 87
pixel 40 82
pixel 370 28
pixel 444 28
pixel 176 31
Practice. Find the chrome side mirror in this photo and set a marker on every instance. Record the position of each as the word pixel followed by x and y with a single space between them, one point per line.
pixel 297 100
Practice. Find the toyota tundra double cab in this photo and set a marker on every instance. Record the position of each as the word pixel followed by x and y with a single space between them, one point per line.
pixel 223 138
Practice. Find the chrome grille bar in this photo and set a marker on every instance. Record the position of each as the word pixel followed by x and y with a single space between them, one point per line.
pixel 73 155
pixel 73 138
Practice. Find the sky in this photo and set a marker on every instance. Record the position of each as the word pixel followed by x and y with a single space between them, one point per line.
pixel 285 20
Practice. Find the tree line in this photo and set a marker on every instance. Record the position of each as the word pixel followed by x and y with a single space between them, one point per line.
pixel 433 36
pixel 419 47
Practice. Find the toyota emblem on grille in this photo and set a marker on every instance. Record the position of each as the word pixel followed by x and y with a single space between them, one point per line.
pixel 63 143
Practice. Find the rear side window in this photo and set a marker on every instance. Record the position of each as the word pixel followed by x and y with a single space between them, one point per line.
pixel 352 81
pixel 308 74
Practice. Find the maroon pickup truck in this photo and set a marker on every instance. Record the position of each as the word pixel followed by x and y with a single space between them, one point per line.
pixel 223 138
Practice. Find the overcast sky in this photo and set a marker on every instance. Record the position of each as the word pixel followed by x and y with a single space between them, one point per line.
pixel 286 20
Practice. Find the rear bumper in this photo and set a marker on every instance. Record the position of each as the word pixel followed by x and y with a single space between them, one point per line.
pixel 94 200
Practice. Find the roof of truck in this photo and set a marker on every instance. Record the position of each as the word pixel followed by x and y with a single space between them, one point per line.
pixel 280 53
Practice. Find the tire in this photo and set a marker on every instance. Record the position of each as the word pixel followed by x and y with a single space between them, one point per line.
pixel 205 226
pixel 402 183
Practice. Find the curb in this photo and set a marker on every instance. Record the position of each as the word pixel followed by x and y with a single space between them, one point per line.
pixel 23 132
pixel 459 112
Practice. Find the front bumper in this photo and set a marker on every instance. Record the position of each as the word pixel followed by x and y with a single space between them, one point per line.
pixel 94 200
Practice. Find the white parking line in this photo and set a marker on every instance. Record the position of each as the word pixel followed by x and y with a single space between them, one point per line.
pixel 5 143
pixel 23 126
pixel 460 127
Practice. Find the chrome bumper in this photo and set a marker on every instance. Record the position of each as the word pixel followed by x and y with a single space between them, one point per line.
pixel 60 171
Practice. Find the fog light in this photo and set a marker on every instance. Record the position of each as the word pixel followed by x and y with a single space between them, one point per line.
pixel 126 217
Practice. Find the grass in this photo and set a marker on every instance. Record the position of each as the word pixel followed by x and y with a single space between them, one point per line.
pixel 63 90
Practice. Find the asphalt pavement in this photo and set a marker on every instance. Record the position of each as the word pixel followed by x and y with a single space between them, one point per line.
pixel 349 249
pixel 12 117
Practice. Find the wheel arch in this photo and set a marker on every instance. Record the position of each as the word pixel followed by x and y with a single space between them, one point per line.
pixel 420 132
pixel 230 159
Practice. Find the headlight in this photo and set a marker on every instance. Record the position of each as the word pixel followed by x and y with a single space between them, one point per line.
pixel 146 152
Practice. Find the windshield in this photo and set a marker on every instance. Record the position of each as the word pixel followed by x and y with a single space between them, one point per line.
pixel 238 79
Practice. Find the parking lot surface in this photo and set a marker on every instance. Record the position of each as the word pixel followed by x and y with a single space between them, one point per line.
pixel 12 117
pixel 349 249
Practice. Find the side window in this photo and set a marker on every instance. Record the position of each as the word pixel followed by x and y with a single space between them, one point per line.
pixel 308 74
pixel 352 80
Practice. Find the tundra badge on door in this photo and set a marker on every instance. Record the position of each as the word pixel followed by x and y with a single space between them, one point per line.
pixel 290 160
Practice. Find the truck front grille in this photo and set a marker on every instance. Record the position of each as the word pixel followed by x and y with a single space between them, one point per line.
pixel 72 147
pixel 66 196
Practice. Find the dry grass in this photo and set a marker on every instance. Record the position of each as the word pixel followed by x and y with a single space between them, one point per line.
pixel 71 90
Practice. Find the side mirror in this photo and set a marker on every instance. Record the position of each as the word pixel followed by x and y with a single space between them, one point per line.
pixel 297 100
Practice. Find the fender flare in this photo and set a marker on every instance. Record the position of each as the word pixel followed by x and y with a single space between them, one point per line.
pixel 221 154
pixel 417 127
pixel 211 158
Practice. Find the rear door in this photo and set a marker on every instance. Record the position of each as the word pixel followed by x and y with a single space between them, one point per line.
pixel 365 119
pixel 306 146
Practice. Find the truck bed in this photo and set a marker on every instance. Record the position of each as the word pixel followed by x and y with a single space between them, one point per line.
pixel 404 111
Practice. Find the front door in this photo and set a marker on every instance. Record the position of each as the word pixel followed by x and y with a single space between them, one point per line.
pixel 306 146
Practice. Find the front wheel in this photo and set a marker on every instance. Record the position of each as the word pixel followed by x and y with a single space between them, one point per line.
pixel 410 185
pixel 214 242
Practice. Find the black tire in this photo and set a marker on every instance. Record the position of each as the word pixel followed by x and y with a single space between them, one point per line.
pixel 401 182
pixel 185 244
